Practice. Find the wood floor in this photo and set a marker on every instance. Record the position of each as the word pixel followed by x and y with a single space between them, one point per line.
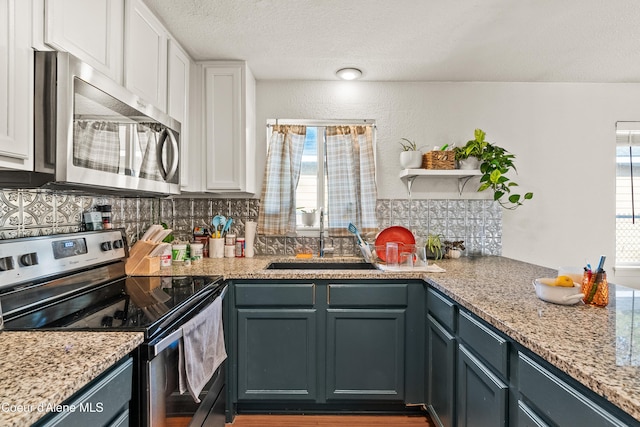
pixel 321 421
pixel 331 421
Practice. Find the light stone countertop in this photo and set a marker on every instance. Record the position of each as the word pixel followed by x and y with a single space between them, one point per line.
pixel 599 347
pixel 42 368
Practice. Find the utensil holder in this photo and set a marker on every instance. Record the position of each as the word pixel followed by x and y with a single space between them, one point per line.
pixel 595 289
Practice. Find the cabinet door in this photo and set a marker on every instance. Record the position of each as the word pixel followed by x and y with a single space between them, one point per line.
pixel 90 30
pixel 145 55
pixel 179 66
pixel 441 373
pixel 365 354
pixel 16 93
pixel 482 396
pixel 276 354
pixel 229 120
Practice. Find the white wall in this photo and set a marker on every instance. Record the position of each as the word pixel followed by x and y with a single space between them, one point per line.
pixel 562 134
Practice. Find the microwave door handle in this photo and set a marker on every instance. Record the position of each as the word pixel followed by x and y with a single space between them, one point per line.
pixel 168 175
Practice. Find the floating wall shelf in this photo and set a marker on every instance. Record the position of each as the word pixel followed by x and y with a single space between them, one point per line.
pixel 463 176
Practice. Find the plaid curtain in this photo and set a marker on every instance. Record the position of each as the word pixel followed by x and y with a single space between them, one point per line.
pixel 277 214
pixel 351 179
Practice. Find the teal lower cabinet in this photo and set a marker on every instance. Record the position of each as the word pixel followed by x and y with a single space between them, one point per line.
pixel 277 354
pixel 482 396
pixel 441 373
pixel 551 399
pixel 365 354
pixel 103 402
pixel 497 382
pixel 326 346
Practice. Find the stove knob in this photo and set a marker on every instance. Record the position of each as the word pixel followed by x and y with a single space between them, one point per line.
pixel 105 246
pixel 118 244
pixel 6 263
pixel 29 259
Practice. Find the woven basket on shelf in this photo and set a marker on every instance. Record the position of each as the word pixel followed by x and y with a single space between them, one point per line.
pixel 439 160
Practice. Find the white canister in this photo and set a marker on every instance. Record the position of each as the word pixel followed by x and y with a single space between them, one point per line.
pixel 179 252
pixel 229 251
pixel 216 248
pixel 197 250
pixel 165 257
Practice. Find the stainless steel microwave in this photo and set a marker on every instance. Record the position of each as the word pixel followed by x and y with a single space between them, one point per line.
pixel 91 133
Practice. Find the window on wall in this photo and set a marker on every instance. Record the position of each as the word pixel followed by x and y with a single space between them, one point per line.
pixel 628 195
pixel 311 192
pixel 328 165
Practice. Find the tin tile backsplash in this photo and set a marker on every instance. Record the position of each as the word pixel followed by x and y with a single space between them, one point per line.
pixel 41 212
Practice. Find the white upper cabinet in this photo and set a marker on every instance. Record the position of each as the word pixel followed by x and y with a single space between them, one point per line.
pixel 229 123
pixel 90 30
pixel 145 49
pixel 16 79
pixel 178 75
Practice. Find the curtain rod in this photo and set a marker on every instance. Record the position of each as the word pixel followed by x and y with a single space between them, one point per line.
pixel 271 122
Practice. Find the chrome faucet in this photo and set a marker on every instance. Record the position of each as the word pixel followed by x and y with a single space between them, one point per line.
pixel 321 233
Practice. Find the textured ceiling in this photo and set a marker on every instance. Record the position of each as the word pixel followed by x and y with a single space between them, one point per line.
pixel 415 40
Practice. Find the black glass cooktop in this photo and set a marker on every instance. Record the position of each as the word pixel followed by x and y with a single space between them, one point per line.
pixel 145 304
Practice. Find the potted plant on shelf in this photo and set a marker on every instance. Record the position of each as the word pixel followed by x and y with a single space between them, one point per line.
pixel 433 246
pixel 308 216
pixel 495 164
pixel 411 156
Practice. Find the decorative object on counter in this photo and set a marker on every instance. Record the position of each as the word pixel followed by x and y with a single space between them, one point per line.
pixel 453 249
pixel 434 246
pixel 411 154
pixel 441 159
pixel 250 228
pixel 495 163
pixel 595 286
pixel 307 216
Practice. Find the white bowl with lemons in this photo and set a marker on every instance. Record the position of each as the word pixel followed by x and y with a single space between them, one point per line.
pixel 558 290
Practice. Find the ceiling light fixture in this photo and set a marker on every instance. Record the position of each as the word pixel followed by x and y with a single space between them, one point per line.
pixel 349 73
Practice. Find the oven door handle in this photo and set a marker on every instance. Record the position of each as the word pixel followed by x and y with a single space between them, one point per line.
pixel 163 344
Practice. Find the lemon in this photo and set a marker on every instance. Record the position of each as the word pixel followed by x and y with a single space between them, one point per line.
pixel 564 281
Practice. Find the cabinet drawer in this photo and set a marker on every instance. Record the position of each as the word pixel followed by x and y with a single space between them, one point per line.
pixel 442 309
pixel 558 401
pixel 366 295
pixel 275 294
pixel 485 343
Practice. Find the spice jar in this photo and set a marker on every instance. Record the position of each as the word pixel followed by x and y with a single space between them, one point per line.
pixel 595 288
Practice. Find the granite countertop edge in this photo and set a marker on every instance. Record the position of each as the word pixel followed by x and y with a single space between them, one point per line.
pixel 52 367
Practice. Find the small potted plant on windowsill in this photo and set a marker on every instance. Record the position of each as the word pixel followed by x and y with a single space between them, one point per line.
pixel 411 156
pixel 495 163
pixel 308 216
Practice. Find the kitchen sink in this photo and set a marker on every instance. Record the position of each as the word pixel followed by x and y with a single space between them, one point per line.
pixel 321 266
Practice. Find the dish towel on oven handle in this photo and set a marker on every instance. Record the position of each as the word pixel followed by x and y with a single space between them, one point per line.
pixel 201 349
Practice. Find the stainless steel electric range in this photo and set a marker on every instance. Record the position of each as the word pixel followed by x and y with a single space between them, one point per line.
pixel 77 282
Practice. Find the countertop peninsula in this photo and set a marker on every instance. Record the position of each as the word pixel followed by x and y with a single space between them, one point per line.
pixel 599 347
pixel 42 369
